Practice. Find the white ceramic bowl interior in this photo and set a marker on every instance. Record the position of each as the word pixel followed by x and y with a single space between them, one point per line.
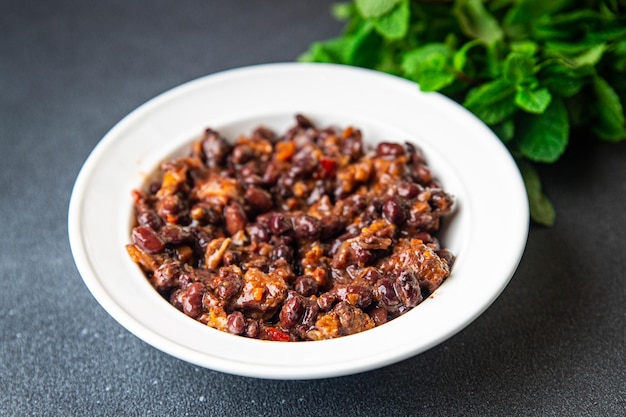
pixel 487 232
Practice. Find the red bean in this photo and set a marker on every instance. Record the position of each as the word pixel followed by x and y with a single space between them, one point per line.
pixel 263 132
pixel 235 218
pixel 282 251
pixel 386 293
pixel 150 218
pixel 242 154
pixel 236 322
pixel 258 232
pixel 227 284
pixel 408 190
pixel 303 121
pixel 306 285
pixel 253 329
pixel 394 212
pixel 421 174
pixel 259 199
pixel 407 289
pixel 171 206
pixel 279 224
pixel 353 147
pixel 271 174
pixel 306 227
pixel 441 201
pixel 379 315
pixel 310 315
pixel 166 276
pixel 147 240
pixel 175 234
pixel 389 149
pixel 215 148
pixel 363 295
pixel 292 311
pixel 302 163
pixel 326 301
pixel 191 298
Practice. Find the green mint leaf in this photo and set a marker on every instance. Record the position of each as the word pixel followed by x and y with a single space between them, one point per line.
pixel 544 137
pixel 495 113
pixel 395 24
pixel 564 80
pixel 576 55
pixel 518 68
pixel 332 51
pixel 434 80
pixel 579 16
pixel 525 47
pixel 505 130
pixel 492 102
pixel 343 11
pixel 375 8
pixel 476 22
pixel 489 93
pixel 527 12
pixel 533 101
pixel 363 47
pixel 591 56
pixel 429 66
pixel 609 112
pixel 541 209
pixel 609 34
pixel 460 57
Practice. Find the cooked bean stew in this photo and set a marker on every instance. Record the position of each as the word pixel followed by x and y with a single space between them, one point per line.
pixel 304 236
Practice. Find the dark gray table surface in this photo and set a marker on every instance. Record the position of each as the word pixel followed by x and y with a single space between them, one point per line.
pixel 552 344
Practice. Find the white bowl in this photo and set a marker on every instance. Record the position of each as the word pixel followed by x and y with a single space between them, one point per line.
pixel 487 232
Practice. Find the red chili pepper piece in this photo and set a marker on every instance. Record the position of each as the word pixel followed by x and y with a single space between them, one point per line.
pixel 277 335
pixel 329 167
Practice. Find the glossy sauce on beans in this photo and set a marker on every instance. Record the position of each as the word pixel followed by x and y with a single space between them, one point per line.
pixel 301 236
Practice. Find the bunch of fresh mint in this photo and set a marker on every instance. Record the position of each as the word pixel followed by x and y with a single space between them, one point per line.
pixel 533 70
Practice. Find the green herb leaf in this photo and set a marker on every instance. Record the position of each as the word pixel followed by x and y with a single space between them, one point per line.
pixel 343 11
pixel 610 123
pixel 541 209
pixel 591 56
pixel 526 12
pixel 375 8
pixel 530 69
pixel 395 24
pixel 505 130
pixel 564 80
pixel 360 48
pixel 489 93
pixel 476 21
pixel 328 51
pixel 533 101
pixel 518 68
pixel 459 58
pixel 525 47
pixel 496 112
pixel 543 138
pixel 429 66
pixel 492 102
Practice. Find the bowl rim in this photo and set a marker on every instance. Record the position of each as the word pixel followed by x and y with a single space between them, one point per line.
pixel 504 218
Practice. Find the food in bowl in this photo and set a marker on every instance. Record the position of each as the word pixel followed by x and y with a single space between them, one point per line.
pixel 301 236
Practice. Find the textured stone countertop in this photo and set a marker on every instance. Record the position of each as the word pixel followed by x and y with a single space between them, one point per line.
pixel 553 344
